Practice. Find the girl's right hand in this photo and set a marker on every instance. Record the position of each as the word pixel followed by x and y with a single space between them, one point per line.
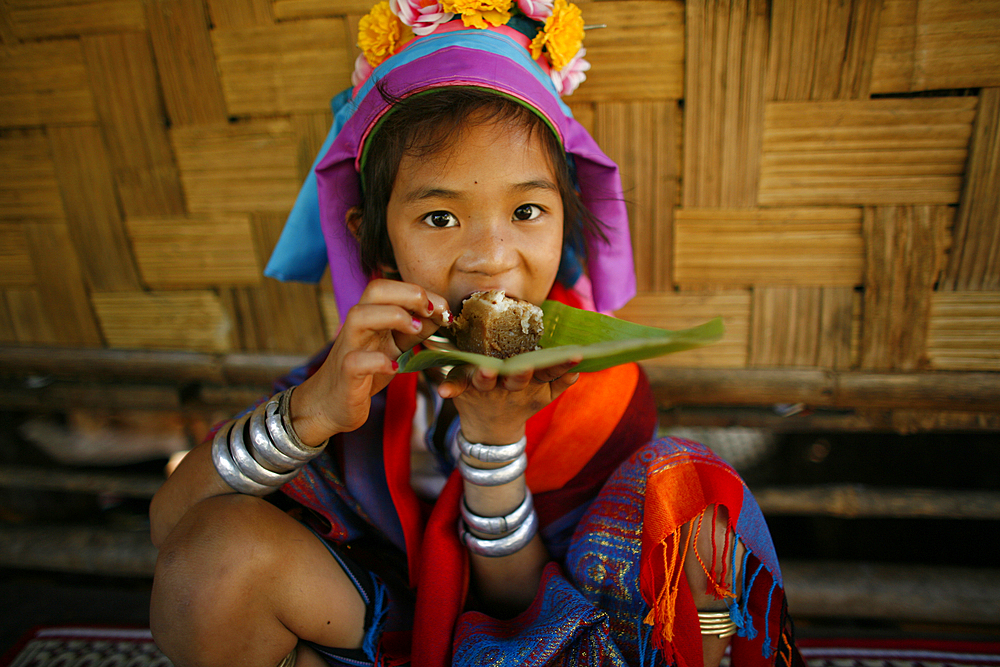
pixel 390 318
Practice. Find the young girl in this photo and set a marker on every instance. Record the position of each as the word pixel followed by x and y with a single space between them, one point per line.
pixel 460 517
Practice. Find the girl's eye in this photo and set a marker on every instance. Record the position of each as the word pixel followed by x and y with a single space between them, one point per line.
pixel 527 212
pixel 441 219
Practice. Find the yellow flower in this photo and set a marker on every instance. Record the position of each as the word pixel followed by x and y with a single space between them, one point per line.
pixel 477 13
pixel 562 35
pixel 381 34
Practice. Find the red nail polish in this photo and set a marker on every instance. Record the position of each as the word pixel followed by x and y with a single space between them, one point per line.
pixel 417 324
pixel 395 366
pixel 430 307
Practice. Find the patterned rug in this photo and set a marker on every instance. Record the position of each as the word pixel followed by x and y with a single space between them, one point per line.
pixel 122 647
pixel 85 647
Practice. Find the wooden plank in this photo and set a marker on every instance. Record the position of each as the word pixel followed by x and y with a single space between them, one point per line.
pixel 250 166
pixel 35 20
pixel 44 82
pixel 125 81
pixel 185 62
pixel 639 55
pixel 277 316
pixel 195 251
pixel 821 50
pixel 975 257
pixel 853 501
pixel 285 10
pixel 941 45
pixel 8 333
pixel 92 213
pixel 61 287
pixel 189 320
pixel 802 326
pixel 285 68
pixel 905 249
pixel 640 137
pixel 962 331
pixel 29 318
pixel 15 257
pixel 683 310
pixel 725 80
pixel 865 152
pixel 7 35
pixel 743 247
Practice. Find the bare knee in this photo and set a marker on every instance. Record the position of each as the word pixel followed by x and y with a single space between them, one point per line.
pixel 207 603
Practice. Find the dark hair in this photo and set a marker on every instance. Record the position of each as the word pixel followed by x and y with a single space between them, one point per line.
pixel 423 125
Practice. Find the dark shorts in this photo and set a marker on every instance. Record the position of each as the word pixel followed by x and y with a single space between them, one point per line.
pixel 376 599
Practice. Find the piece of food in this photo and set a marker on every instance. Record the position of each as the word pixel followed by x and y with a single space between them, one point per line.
pixel 497 325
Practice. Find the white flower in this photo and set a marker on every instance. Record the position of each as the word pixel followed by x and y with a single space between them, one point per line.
pixel 570 77
pixel 421 15
pixel 538 10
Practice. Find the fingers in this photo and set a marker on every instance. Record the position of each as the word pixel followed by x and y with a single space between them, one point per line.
pixel 555 372
pixel 407 310
pixel 410 297
pixel 462 378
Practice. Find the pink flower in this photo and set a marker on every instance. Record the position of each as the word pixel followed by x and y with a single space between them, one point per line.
pixel 539 10
pixel 362 70
pixel 421 15
pixel 572 75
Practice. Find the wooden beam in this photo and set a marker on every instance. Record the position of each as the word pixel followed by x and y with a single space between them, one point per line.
pixel 854 501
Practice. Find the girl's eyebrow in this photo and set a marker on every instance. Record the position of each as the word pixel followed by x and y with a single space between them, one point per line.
pixel 421 194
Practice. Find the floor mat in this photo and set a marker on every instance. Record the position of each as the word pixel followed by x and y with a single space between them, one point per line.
pixel 86 646
pixel 898 653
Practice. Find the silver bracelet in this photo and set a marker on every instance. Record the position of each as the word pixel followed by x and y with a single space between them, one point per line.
pixel 506 545
pixel 248 465
pixel 279 427
pixel 494 476
pixel 272 442
pixel 492 453
pixel 230 474
pixel 263 448
pixel 499 525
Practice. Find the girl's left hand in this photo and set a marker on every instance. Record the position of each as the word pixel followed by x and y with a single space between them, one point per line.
pixel 495 408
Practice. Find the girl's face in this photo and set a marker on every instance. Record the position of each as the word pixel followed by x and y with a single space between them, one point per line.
pixel 485 213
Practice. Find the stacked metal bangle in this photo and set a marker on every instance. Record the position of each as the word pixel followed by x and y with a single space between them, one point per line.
pixel 274 455
pixel 718 623
pixel 494 476
pixel 499 525
pixel 505 545
pixel 492 453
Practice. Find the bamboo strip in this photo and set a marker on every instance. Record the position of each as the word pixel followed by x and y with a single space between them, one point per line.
pixel 228 14
pixel 16 269
pixel 60 287
pixel 962 331
pixel 905 248
pixel 865 152
pixel 639 136
pixel 328 309
pixel 28 186
pixel 29 320
pixel 7 35
pixel 682 310
pixel 975 258
pixel 285 68
pixel 285 316
pixel 189 320
pixel 8 334
pixel 94 220
pixel 195 251
pixel 825 421
pixel 942 45
pixel 766 246
pixel 133 125
pixel 285 10
pixel 44 82
pixel 639 56
pixel 33 20
pixel 802 326
pixel 310 131
pixel 238 167
pixel 185 62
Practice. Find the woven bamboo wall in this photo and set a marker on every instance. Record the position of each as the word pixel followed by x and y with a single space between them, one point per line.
pixel 823 174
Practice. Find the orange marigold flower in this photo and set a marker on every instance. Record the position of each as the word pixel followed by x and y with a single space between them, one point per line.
pixel 381 33
pixel 477 13
pixel 562 35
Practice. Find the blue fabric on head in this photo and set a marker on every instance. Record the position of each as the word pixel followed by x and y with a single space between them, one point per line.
pixel 300 253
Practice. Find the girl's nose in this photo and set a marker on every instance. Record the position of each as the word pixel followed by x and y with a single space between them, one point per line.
pixel 491 248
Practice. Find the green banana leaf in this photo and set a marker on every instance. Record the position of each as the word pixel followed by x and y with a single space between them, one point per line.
pixel 601 341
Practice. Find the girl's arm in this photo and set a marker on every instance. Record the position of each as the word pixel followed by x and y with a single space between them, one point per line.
pixel 494 411
pixel 391 317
